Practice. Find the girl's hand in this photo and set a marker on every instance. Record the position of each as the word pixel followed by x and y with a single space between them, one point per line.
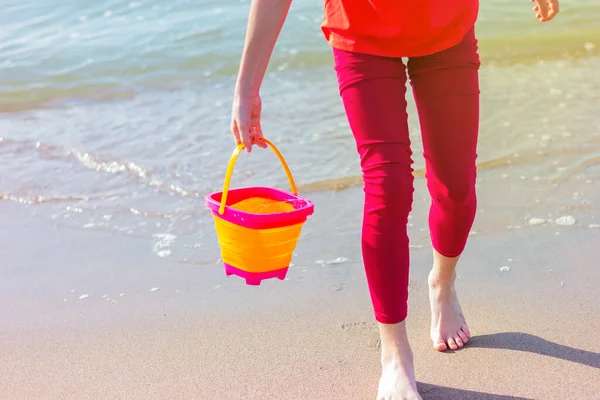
pixel 245 122
pixel 545 10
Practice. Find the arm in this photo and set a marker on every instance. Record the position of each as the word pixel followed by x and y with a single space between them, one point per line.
pixel 265 21
pixel 264 24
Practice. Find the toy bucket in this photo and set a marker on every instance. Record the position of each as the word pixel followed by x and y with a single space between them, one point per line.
pixel 258 227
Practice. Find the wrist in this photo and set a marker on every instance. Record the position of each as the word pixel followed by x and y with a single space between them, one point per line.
pixel 245 89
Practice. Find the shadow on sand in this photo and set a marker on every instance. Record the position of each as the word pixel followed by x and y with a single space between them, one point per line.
pixel 535 344
pixel 510 341
pixel 433 392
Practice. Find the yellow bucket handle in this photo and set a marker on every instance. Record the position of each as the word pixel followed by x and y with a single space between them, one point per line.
pixel 232 161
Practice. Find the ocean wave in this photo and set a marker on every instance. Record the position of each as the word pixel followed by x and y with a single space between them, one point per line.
pixel 32 199
pixel 24 148
pixel 169 65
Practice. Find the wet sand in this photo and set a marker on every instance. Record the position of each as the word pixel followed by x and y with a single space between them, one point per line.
pixel 96 315
pixel 110 284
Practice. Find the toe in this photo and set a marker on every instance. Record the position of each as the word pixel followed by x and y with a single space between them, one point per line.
pixel 466 330
pixel 463 336
pixel 458 341
pixel 452 344
pixel 439 344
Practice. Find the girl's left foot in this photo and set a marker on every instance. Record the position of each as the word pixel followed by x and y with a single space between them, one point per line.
pixel 448 326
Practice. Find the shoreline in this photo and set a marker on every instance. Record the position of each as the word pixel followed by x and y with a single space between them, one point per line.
pixel 202 335
pixel 114 129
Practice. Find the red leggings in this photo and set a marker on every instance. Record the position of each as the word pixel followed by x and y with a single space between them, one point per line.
pixel 446 92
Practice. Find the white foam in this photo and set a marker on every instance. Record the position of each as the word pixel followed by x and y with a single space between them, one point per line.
pixel 339 260
pixel 154 289
pixel 536 221
pixel 505 268
pixel 565 220
pixel 164 253
pixel 84 296
pixel 162 244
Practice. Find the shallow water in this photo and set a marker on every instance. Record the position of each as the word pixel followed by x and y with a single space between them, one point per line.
pixel 114 116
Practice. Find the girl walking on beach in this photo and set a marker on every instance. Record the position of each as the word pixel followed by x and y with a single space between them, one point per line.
pixel 369 40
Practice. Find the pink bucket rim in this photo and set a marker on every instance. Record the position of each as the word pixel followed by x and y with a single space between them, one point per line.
pixel 258 221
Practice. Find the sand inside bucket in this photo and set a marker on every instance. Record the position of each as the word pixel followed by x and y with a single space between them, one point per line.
pixel 260 205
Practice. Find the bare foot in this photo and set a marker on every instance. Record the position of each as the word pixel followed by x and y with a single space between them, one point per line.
pixel 448 326
pixel 398 372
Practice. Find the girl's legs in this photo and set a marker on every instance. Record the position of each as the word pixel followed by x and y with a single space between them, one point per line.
pixel 446 91
pixel 373 92
pixel 447 94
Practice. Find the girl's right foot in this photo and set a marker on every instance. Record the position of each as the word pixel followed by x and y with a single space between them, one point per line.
pixel 398 373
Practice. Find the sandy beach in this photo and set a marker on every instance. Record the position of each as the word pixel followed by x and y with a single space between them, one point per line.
pixel 114 121
pixel 97 316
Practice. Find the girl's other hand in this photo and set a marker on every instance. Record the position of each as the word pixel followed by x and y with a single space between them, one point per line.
pixel 245 122
pixel 545 10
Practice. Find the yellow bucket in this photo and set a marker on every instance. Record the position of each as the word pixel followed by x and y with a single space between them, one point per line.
pixel 258 227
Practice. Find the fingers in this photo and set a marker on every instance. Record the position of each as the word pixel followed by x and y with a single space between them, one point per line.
pixel 258 134
pixel 241 127
pixel 235 131
pixel 545 9
pixel 241 135
pixel 541 9
pixel 245 123
pixel 247 136
pixel 554 8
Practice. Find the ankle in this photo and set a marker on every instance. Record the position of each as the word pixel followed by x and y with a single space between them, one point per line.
pixel 396 356
pixel 441 279
pixel 443 273
pixel 395 353
pixel 395 348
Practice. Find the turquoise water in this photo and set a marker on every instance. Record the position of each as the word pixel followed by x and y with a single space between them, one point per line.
pixel 114 115
pixel 53 51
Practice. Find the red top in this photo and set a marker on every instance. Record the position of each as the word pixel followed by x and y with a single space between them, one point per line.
pixel 398 28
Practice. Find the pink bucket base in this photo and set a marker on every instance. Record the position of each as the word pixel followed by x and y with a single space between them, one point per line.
pixel 255 278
